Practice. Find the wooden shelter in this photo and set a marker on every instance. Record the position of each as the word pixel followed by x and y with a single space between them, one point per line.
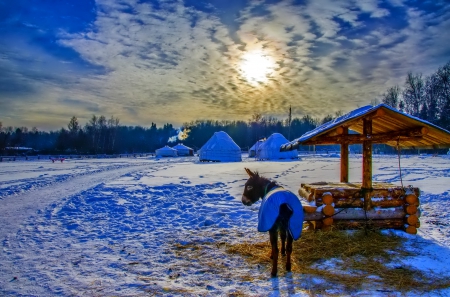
pixel 373 125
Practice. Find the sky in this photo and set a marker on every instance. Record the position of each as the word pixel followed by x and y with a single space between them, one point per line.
pixel 176 61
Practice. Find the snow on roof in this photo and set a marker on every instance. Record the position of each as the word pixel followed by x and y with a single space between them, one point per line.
pixel 392 120
pixel 18 148
pixel 336 122
pixel 257 144
pixel 181 146
pixel 220 147
pixel 274 141
pixel 220 141
pixel 270 149
pixel 166 148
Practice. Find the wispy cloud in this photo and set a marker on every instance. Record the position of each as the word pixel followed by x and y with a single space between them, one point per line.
pixel 168 62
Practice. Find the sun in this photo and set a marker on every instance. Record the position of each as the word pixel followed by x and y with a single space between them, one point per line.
pixel 256 67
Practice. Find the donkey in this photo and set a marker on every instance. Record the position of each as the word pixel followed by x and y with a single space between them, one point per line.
pixel 280 210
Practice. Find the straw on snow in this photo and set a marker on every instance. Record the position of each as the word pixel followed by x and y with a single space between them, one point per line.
pixel 359 257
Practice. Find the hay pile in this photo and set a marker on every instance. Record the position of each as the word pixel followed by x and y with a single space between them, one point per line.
pixel 350 260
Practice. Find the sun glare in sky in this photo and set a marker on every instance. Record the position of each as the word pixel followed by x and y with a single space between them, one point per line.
pixel 256 67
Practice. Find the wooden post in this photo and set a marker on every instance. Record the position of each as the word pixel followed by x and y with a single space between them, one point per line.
pixel 344 158
pixel 367 163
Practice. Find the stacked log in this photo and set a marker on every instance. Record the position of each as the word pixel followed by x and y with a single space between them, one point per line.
pixel 327 209
pixel 412 210
pixel 341 205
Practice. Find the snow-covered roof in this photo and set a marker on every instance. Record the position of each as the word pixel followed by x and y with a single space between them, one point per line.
pixel 220 147
pixel 18 148
pixel 166 149
pixel 181 146
pixel 257 144
pixel 385 120
pixel 270 149
pixel 220 141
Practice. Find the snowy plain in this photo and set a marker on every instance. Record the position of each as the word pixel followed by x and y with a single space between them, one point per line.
pixel 109 227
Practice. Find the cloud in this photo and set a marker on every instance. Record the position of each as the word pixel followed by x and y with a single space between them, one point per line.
pixel 169 62
pixel 79 104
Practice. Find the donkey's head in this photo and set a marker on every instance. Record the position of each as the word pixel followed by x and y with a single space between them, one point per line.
pixel 254 188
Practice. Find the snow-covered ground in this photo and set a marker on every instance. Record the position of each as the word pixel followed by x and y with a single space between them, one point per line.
pixel 110 227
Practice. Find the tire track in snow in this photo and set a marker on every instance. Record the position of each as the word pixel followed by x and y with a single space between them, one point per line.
pixel 15 209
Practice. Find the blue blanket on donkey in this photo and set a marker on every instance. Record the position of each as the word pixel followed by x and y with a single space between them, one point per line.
pixel 270 207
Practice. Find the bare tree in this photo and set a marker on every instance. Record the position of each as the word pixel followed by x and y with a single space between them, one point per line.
pixel 430 110
pixel 256 122
pixel 102 125
pixel 92 127
pixel 443 75
pixel 338 113
pixel 113 124
pixel 326 119
pixel 391 97
pixel 413 94
pixel 256 118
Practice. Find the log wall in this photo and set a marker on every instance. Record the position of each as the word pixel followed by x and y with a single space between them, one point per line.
pixel 342 206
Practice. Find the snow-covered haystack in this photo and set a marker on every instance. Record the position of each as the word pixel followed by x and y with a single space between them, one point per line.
pixel 270 149
pixel 220 148
pixel 166 152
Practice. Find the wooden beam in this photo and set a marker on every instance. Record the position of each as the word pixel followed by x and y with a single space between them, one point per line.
pixel 412 134
pixel 338 131
pixel 358 139
pixel 377 224
pixel 376 114
pixel 367 164
pixel 360 214
pixel 344 157
pixel 340 194
pixel 341 130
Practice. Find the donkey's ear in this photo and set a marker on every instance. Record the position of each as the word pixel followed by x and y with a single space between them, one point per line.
pixel 249 172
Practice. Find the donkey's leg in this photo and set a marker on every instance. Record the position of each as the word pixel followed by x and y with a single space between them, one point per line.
pixel 289 251
pixel 274 243
pixel 283 241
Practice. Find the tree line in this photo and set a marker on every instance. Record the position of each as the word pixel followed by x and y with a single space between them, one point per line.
pixel 98 136
pixel 425 97
pixel 106 136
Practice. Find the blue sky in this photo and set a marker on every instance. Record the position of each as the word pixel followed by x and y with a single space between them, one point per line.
pixel 176 61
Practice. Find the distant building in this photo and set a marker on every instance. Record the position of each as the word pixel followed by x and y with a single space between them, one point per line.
pixel 166 152
pixel 270 149
pixel 183 150
pixel 17 150
pixel 220 148
pixel 252 151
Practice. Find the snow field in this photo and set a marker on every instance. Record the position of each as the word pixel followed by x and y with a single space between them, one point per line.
pixel 149 226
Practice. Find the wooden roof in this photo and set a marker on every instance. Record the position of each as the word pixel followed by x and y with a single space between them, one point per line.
pixel 389 126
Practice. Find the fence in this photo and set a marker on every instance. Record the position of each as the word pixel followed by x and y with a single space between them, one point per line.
pixel 68 157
